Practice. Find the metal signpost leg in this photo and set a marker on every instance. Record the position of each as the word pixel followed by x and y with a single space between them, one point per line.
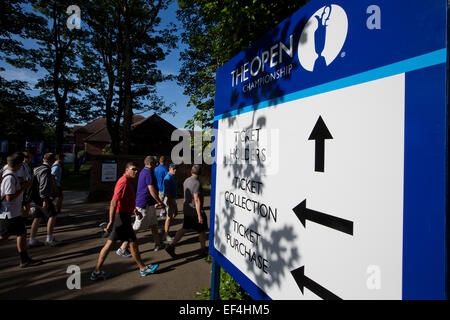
pixel 215 281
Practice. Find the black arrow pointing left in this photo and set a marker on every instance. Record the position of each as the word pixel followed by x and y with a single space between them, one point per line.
pixel 303 214
pixel 305 282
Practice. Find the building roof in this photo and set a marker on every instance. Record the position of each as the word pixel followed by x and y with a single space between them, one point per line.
pixel 100 123
pixel 102 134
pixel 154 117
pixel 92 126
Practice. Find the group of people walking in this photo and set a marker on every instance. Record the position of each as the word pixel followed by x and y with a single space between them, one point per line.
pixel 27 192
pixel 38 193
pixel 156 189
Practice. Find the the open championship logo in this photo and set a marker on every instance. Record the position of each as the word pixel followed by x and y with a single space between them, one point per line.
pixel 322 38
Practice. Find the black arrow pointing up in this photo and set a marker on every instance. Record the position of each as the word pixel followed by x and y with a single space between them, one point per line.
pixel 327 220
pixel 320 133
pixel 305 282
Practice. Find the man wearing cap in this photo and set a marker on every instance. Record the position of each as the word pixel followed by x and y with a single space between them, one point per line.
pixel 170 194
pixel 194 217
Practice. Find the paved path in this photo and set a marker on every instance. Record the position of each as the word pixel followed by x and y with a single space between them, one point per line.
pixel 82 242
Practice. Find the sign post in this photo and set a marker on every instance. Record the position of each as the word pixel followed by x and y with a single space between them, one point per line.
pixel 331 155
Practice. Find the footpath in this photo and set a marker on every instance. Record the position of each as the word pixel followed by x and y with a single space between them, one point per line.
pixel 82 241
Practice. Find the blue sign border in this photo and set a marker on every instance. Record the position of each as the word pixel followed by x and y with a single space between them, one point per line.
pixel 425 171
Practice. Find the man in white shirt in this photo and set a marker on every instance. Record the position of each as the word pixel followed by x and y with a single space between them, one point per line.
pixel 11 220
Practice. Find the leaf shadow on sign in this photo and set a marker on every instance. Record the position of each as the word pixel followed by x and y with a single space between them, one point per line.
pixel 271 244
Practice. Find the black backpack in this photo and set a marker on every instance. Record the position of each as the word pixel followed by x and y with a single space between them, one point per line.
pixel 1 180
pixel 34 194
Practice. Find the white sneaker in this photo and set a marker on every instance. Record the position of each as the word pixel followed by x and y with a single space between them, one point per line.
pixel 35 243
pixel 52 243
pixel 125 254
pixel 168 238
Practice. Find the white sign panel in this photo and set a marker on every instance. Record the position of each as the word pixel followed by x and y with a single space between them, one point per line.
pixel 309 193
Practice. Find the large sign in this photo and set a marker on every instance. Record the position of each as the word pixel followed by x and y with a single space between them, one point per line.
pixel 330 172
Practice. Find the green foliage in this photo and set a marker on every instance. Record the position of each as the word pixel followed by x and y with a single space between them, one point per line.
pixel 76 181
pixel 81 153
pixel 124 43
pixel 19 118
pixel 215 32
pixel 108 67
pixel 57 51
pixel 107 150
pixel 229 288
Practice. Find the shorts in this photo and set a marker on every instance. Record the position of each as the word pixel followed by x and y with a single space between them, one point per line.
pixel 191 222
pixel 148 218
pixel 122 229
pixel 163 199
pixel 13 227
pixel 172 207
pixel 41 212
pixel 58 192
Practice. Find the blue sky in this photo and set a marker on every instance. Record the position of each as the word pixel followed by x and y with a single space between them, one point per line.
pixel 171 92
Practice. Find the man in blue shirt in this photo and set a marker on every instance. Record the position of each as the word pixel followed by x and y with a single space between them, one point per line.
pixel 170 193
pixel 160 172
pixel 146 200
pixel 57 171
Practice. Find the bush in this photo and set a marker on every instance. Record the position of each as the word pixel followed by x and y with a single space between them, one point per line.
pixel 229 288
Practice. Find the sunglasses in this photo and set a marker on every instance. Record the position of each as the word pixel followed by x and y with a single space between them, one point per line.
pixel 134 169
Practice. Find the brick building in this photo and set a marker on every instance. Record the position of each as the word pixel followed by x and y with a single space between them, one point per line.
pixel 150 135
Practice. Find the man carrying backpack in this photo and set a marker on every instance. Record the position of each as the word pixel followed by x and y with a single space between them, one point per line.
pixel 11 220
pixel 42 196
pixel 28 177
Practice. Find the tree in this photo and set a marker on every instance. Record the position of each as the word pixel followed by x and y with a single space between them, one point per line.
pixel 125 43
pixel 57 52
pixel 17 119
pixel 215 32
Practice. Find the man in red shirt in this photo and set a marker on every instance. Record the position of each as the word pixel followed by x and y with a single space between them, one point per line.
pixel 123 205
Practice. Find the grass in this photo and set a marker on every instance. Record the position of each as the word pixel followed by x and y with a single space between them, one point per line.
pixel 229 289
pixel 206 186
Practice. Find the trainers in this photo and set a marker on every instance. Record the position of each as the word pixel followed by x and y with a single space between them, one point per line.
pixel 168 238
pixel 35 244
pixel 52 243
pixel 99 275
pixel 171 250
pixel 125 254
pixel 151 268
pixel 30 263
pixel 160 247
